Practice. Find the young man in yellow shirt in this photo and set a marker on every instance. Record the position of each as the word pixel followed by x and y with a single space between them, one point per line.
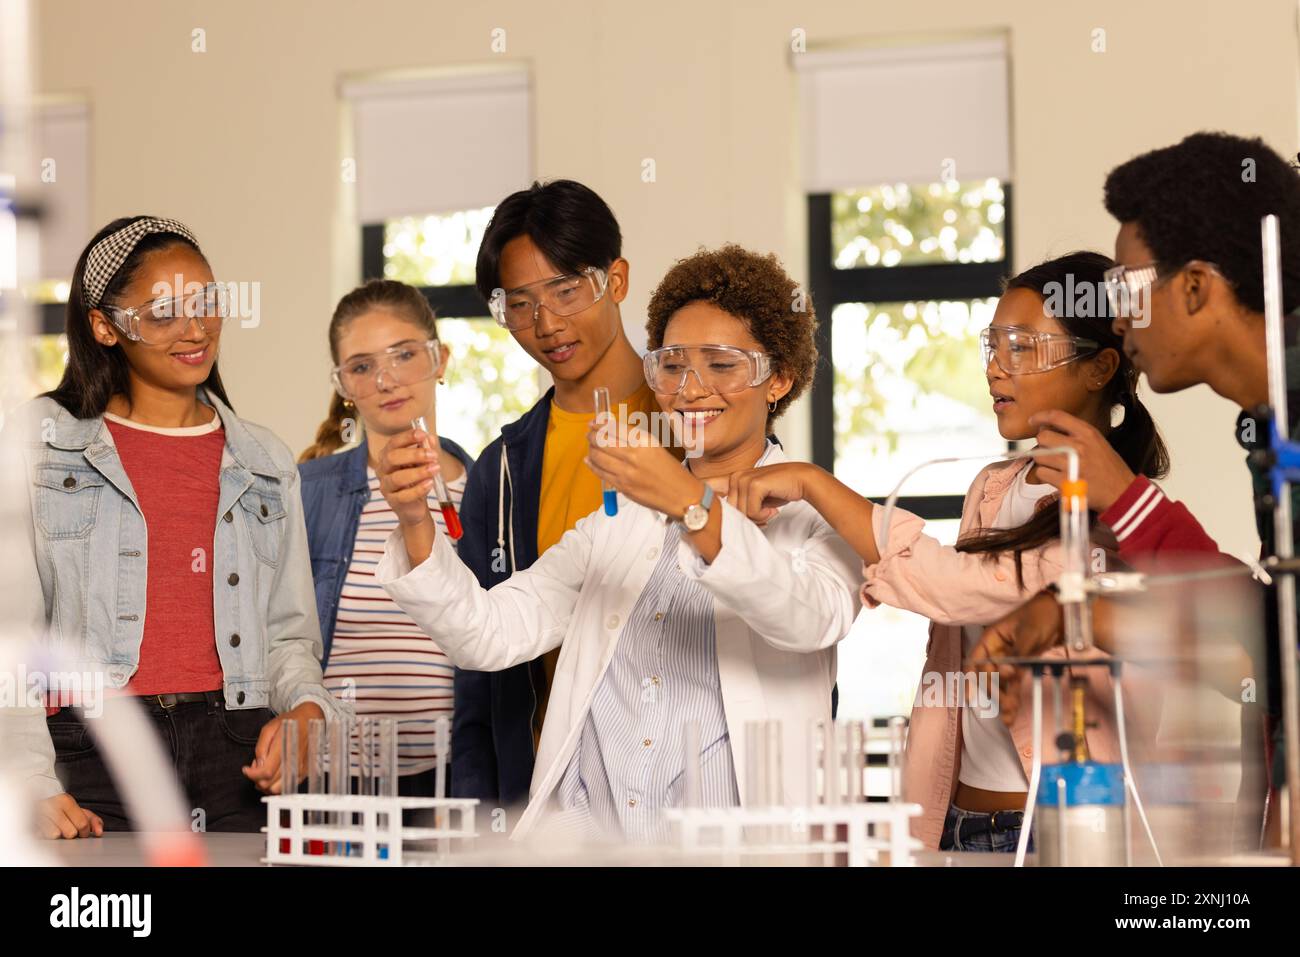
pixel 551 268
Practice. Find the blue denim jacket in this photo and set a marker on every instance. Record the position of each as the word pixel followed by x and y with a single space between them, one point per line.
pixel 334 491
pixel 90 561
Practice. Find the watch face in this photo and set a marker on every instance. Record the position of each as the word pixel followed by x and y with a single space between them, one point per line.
pixel 696 518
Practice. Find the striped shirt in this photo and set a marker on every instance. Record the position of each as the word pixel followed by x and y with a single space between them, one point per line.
pixel 379 657
pixel 630 761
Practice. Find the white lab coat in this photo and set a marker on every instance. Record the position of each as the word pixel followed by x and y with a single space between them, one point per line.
pixel 784 595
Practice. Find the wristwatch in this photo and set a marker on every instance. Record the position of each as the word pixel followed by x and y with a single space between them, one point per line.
pixel 697 515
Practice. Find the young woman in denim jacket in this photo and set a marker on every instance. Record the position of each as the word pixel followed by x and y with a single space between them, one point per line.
pixel 168 544
pixel 384 343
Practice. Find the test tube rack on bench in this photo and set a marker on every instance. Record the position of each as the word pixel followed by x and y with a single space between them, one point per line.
pixel 839 826
pixel 350 814
pixel 360 830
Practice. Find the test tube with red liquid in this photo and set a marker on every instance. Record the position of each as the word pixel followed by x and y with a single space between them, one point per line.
pixel 445 504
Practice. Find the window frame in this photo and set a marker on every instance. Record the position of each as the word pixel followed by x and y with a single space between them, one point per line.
pixel 458 301
pixel 925 281
pixel 53 318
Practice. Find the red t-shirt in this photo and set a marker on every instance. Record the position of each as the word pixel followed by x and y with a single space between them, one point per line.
pixel 176 474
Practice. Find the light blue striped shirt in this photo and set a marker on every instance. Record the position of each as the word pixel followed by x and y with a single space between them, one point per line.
pixel 629 762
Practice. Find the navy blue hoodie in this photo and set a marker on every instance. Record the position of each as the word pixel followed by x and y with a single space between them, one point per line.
pixel 493 746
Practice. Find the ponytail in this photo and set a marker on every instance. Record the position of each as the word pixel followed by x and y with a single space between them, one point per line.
pixel 329 437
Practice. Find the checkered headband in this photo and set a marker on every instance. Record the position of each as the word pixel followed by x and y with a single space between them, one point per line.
pixel 107 255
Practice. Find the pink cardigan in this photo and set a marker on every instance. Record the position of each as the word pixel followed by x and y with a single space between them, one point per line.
pixel 952 588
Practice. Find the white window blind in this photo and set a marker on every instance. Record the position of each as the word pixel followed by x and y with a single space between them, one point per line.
pixel 897 114
pixel 440 144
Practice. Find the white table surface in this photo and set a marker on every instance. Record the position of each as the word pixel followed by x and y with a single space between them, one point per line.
pixel 122 849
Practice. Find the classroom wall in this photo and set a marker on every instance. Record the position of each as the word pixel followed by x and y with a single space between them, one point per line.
pixel 244 141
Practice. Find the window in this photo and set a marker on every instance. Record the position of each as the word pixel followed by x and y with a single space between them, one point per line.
pixel 490 380
pixel 61 138
pixel 423 213
pixel 904 277
pixel 880 661
pixel 909 241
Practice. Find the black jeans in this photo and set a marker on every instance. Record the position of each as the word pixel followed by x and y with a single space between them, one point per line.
pixel 208 746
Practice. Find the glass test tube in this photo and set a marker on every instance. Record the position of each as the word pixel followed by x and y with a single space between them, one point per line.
pixel 366 742
pixel 814 762
pixel 609 495
pixel 831 778
pixel 855 746
pixel 379 756
pixel 289 757
pixel 1075 556
pixel 775 778
pixel 288 771
pixel 316 749
pixel 442 741
pixel 445 504
pixel 763 763
pixel 755 772
pixel 340 776
pixel 384 757
pixel 897 754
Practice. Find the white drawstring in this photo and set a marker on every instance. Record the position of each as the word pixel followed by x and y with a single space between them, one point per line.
pixel 501 500
pixel 513 565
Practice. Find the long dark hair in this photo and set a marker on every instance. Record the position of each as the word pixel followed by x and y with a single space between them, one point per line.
pixel 95 373
pixel 407 302
pixel 1136 438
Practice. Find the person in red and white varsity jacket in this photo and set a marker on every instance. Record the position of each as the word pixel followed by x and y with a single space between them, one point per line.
pixel 1190 273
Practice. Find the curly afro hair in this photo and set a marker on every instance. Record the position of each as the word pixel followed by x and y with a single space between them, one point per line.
pixel 1202 199
pixel 756 290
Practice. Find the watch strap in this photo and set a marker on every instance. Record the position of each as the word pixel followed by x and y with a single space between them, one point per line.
pixel 706 503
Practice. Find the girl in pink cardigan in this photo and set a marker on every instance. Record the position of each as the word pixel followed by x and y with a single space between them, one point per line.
pixel 1056 371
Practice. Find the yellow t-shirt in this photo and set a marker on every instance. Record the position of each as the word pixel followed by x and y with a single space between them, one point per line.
pixel 571 490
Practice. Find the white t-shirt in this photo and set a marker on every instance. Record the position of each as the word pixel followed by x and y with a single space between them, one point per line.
pixel 988 755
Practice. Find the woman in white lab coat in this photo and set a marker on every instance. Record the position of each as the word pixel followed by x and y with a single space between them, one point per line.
pixel 678 608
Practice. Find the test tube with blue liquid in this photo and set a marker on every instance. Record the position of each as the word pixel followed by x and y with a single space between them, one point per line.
pixel 610 495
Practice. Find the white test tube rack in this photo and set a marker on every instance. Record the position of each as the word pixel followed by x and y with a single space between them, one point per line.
pixel 839 826
pixel 333 827
pixel 866 835
pixel 375 838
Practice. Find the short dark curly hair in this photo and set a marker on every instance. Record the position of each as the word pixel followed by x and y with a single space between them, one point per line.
pixel 756 290
pixel 1202 199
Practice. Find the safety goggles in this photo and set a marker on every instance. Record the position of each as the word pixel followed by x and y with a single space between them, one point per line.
pixel 722 370
pixel 405 363
pixel 160 322
pixel 1024 352
pixel 1128 288
pixel 561 295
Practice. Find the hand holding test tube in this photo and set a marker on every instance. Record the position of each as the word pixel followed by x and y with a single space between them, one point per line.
pixel 445 504
pixel 609 495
